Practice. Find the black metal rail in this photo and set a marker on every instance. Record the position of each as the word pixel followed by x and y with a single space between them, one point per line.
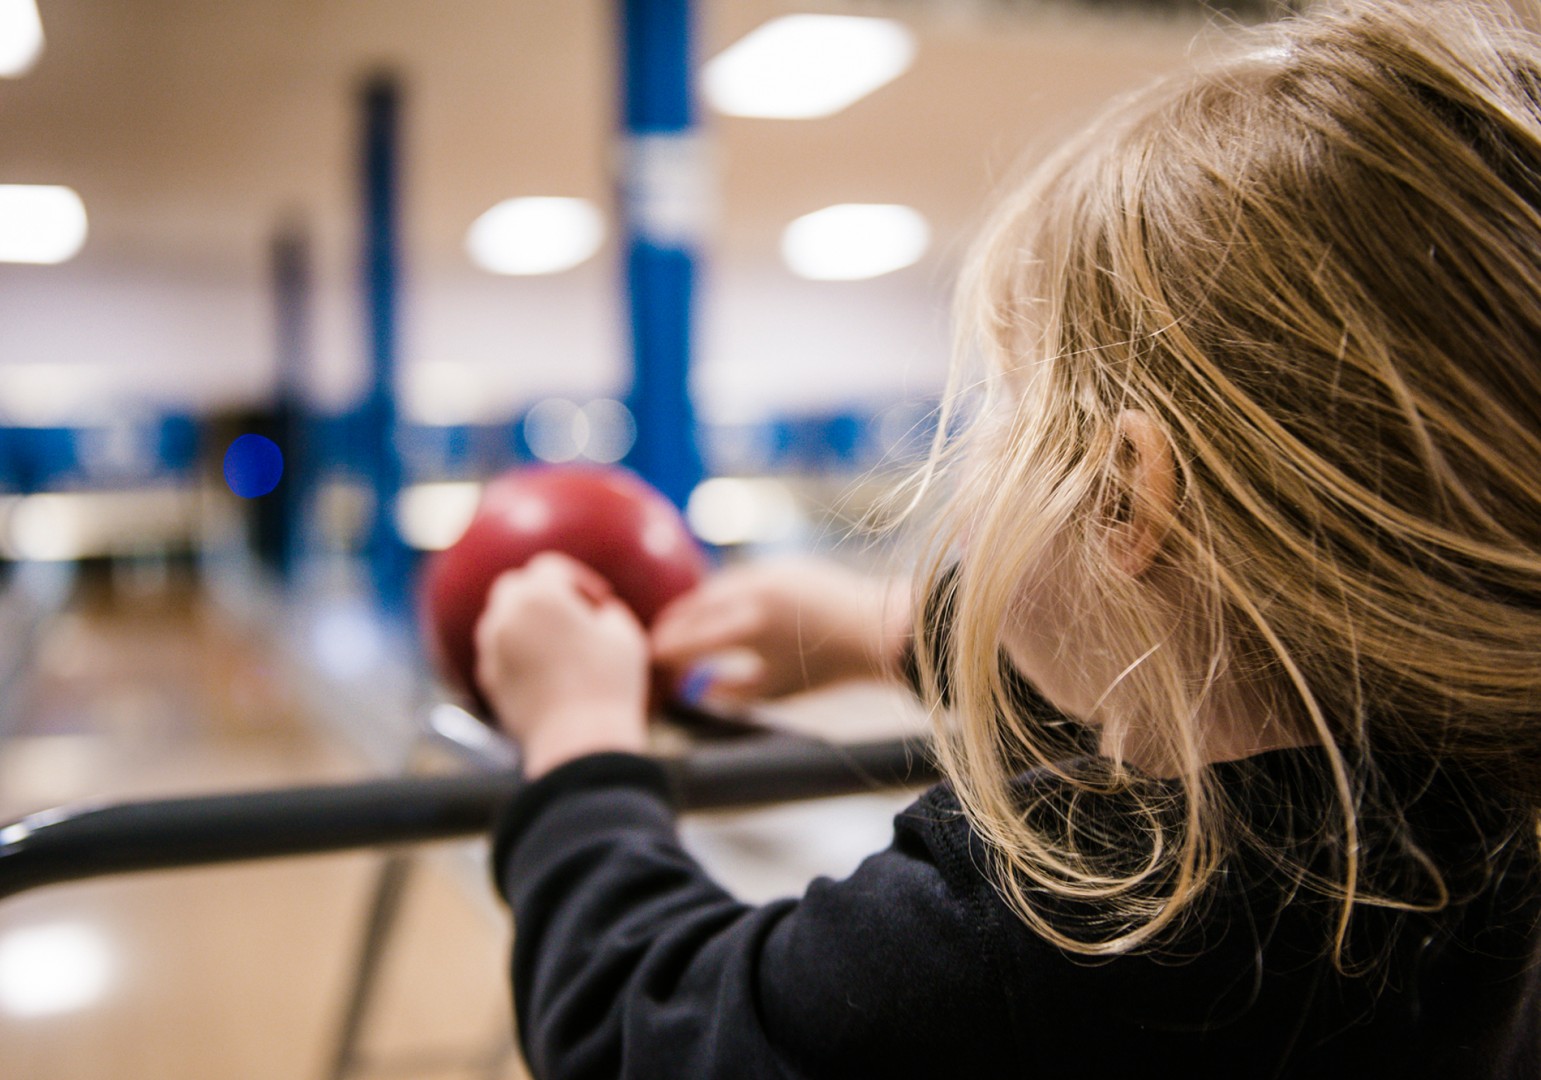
pixel 73 843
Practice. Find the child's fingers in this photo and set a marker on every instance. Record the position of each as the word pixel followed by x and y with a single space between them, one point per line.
pixel 699 603
pixel 549 586
pixel 555 567
pixel 737 678
pixel 689 636
pixel 744 684
pixel 615 611
pixel 550 612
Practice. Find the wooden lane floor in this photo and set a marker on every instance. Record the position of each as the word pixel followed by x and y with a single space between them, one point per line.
pixel 235 972
pixel 243 971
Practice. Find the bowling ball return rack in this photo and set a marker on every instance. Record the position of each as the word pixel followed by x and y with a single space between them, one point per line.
pixel 734 763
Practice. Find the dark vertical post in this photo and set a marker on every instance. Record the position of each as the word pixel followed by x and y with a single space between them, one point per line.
pixel 292 324
pixel 10 466
pixel 388 556
pixel 663 205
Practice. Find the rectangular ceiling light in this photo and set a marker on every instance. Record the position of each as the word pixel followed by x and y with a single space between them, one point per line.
pixel 21 37
pixel 40 223
pixel 535 235
pixel 854 241
pixel 799 67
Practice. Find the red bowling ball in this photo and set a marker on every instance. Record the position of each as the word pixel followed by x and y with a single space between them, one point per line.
pixel 607 518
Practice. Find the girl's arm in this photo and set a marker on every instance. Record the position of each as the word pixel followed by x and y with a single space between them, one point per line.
pixel 794 625
pixel 808 623
pixel 629 961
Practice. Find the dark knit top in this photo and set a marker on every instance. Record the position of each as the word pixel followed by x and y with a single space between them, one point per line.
pixel 630 961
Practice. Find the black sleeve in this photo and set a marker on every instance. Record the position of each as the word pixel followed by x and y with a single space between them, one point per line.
pixel 629 961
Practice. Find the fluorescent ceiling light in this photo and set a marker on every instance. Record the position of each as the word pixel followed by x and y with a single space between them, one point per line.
pixel 802 66
pixel 21 37
pixel 40 223
pixel 851 241
pixel 535 235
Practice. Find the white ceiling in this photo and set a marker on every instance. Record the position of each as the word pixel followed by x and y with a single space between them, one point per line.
pixel 192 128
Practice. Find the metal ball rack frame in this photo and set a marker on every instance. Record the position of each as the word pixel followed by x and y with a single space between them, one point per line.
pixel 74 843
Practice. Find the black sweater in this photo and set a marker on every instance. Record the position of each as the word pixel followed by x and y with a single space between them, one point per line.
pixel 631 962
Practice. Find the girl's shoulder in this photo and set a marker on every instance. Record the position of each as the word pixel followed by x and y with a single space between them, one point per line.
pixel 1250 975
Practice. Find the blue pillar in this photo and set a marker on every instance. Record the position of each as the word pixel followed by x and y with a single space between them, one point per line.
pixel 390 561
pixel 664 196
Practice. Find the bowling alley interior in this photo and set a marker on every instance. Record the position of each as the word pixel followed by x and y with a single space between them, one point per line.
pixel 315 317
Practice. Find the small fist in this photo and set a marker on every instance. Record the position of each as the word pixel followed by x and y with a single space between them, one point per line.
pixel 563 663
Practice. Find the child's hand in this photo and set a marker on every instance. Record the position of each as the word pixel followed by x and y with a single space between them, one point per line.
pixel 563 663
pixel 798 625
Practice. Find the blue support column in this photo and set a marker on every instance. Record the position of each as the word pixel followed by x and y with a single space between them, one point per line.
pixel 664 193
pixel 390 561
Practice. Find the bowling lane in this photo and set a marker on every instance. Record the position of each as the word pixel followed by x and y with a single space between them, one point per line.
pixel 143 688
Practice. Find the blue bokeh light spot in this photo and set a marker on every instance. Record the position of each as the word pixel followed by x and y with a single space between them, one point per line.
pixel 253 466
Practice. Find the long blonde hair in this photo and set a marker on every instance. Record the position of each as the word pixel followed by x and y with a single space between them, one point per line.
pixel 1316 266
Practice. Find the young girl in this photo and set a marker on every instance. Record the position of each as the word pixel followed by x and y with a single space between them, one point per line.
pixel 1251 492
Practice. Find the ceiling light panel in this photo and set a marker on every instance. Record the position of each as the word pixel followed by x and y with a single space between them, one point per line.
pixel 21 37
pixel 40 223
pixel 537 235
pixel 799 67
pixel 851 241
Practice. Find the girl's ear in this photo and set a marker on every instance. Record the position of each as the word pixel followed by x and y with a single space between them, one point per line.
pixel 1148 473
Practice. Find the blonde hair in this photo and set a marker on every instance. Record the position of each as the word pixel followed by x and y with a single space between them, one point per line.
pixel 1316 267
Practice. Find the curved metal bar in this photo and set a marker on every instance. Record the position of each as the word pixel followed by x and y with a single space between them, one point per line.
pixel 70 844
pixel 786 768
